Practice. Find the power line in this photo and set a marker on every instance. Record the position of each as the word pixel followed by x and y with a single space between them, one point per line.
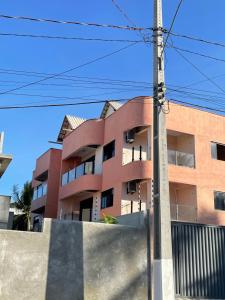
pixel 198 106
pixel 171 26
pixel 69 38
pixel 69 70
pixel 103 101
pixel 195 39
pixel 24 18
pixel 124 14
pixel 199 71
pixel 101 80
pixel 199 54
pixel 144 40
pixel 59 104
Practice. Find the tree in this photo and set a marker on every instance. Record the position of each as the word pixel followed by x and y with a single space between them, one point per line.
pixel 23 202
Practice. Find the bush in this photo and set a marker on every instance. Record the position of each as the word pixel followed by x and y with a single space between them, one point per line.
pixel 109 219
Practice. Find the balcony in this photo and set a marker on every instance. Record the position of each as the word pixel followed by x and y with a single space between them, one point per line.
pixel 179 158
pixel 39 198
pixel 187 213
pixel 183 202
pixel 181 149
pixel 83 169
pixel 40 191
pixel 136 145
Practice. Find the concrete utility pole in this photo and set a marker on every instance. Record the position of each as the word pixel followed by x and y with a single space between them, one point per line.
pixel 163 282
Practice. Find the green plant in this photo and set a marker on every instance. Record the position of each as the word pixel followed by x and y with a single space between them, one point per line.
pixel 22 200
pixel 109 219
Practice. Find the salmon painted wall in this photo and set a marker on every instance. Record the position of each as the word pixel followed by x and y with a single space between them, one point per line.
pixel 201 127
pixel 50 161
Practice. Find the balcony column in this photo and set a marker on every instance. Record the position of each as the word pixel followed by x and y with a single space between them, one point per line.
pixel 96 206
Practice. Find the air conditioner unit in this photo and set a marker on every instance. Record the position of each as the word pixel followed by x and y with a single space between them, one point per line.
pixel 131 187
pixel 130 136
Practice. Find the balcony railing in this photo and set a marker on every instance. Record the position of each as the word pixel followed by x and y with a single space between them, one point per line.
pixel 181 158
pixel 83 169
pixel 40 191
pixel 181 212
pixel 134 154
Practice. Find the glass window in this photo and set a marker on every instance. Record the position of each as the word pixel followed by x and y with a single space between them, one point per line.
pixel 218 151
pixel 71 175
pixel 44 189
pixel 89 167
pixel 219 200
pixel 65 178
pixel 80 171
pixel 35 194
pixel 109 151
pixel 107 198
pixel 40 191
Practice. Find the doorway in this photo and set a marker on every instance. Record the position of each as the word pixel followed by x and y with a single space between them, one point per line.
pixel 86 210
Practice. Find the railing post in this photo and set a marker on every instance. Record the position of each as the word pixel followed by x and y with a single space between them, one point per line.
pixel 140 153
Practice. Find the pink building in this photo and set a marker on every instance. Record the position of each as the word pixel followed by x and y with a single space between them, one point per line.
pixel 46 182
pixel 106 165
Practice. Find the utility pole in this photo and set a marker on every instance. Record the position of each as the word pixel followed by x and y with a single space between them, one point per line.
pixel 163 281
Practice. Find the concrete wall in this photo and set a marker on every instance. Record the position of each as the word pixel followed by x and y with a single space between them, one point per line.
pixel 74 261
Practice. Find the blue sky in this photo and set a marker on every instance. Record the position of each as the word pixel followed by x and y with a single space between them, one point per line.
pixel 27 132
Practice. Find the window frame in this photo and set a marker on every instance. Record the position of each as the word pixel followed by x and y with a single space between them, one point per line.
pixel 113 152
pixel 214 150
pixel 109 198
pixel 219 206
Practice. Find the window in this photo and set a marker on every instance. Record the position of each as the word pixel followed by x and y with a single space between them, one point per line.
pixel 218 151
pixel 109 151
pixel 107 199
pixel 219 200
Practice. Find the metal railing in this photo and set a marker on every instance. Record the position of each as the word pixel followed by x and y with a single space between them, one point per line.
pixel 180 212
pixel 83 169
pixel 137 153
pixel 181 158
pixel 40 191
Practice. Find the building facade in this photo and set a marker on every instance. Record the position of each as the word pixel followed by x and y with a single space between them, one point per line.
pixel 106 164
pixel 46 182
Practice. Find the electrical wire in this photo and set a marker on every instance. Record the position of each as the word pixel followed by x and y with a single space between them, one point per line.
pixel 25 18
pixel 103 101
pixel 196 39
pixel 69 70
pixel 69 38
pixel 171 26
pixel 199 54
pixel 124 14
pixel 199 71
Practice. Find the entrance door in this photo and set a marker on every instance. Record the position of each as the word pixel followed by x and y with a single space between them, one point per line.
pixel 86 210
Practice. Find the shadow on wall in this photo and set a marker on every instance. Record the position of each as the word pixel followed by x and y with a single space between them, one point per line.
pixel 199 260
pixel 95 261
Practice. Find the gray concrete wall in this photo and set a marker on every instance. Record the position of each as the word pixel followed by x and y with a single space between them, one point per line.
pixel 74 261
pixel 137 219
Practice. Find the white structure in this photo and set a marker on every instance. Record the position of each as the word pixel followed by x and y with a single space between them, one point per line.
pixel 4 200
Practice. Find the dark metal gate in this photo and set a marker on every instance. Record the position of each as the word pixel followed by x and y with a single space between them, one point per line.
pixel 199 260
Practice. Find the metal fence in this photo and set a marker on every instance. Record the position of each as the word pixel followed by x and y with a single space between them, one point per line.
pixel 199 260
